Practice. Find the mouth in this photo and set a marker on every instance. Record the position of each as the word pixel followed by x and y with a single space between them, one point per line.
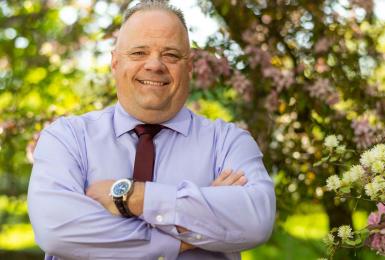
pixel 153 82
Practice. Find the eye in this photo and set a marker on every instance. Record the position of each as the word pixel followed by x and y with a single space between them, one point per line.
pixel 171 57
pixel 138 53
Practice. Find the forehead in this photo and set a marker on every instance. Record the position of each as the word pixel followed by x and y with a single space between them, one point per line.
pixel 153 28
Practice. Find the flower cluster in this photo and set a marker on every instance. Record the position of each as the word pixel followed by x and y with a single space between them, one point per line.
pixel 208 68
pixel 242 85
pixel 376 225
pixel 323 90
pixel 367 177
pixel 364 133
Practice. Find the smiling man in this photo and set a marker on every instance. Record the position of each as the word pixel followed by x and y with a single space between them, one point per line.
pixel 147 178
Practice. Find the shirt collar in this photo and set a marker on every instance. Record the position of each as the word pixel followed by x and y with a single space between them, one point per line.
pixel 124 122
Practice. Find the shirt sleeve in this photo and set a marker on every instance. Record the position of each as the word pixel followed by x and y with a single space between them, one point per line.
pixel 69 224
pixel 221 218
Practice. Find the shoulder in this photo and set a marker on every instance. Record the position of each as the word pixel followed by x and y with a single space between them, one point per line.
pixel 226 135
pixel 75 125
pixel 217 126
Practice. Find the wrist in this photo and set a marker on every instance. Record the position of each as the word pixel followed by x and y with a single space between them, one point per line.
pixel 136 200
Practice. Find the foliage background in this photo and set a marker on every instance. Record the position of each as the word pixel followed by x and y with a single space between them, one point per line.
pixel 291 72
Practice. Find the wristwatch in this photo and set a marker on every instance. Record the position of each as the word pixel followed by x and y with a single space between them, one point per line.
pixel 120 192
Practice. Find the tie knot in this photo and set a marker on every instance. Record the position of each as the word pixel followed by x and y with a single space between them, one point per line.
pixel 148 129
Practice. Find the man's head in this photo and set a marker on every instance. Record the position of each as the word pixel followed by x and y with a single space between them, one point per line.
pixel 151 62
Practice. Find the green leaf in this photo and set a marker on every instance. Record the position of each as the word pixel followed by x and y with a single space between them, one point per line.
pixel 345 189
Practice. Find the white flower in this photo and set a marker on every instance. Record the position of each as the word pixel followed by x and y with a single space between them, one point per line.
pixel 331 141
pixel 378 167
pixel 367 158
pixel 333 183
pixel 379 151
pixel 373 188
pixel 347 177
pixel 341 149
pixel 357 172
pixel 345 232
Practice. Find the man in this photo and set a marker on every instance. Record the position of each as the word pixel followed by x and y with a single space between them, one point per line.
pixel 208 195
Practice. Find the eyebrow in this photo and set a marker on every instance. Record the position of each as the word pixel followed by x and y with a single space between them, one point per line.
pixel 169 48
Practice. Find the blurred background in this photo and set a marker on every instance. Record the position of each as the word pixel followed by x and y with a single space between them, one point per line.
pixel 289 71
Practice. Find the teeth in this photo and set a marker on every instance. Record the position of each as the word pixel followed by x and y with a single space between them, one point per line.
pixel 152 83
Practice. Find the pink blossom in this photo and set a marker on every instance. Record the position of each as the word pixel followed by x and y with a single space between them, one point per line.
pixel 256 35
pixel 282 79
pixel 208 68
pixel 242 85
pixel 376 242
pixel 272 101
pixel 364 133
pixel 322 45
pixel 323 90
pixel 376 216
pixel 257 56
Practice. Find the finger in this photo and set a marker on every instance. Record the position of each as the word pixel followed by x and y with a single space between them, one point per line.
pixel 240 182
pixel 233 178
pixel 224 174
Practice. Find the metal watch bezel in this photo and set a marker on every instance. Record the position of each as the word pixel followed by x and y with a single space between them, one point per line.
pixel 128 181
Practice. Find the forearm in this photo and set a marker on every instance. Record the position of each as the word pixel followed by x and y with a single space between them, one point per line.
pixel 79 229
pixel 222 219
pixel 71 225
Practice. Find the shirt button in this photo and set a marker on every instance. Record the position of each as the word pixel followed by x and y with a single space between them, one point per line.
pixel 161 258
pixel 198 236
pixel 159 218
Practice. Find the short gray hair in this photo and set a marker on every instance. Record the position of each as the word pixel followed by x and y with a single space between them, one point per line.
pixel 155 5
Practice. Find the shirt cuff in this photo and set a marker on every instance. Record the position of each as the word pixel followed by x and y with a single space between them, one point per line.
pixel 159 204
pixel 168 245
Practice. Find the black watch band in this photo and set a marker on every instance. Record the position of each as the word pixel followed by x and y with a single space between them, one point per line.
pixel 123 207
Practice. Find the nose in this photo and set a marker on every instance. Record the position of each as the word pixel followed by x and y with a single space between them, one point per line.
pixel 154 64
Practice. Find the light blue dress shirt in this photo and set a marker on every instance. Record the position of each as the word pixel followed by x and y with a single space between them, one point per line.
pixel 73 152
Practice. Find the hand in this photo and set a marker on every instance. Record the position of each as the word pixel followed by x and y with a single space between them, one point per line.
pixel 185 246
pixel 100 191
pixel 229 178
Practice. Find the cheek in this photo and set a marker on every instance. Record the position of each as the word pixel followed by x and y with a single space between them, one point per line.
pixel 180 76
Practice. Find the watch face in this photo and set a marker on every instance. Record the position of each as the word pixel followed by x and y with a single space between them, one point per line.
pixel 120 188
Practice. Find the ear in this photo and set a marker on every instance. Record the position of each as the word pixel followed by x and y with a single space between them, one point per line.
pixel 114 61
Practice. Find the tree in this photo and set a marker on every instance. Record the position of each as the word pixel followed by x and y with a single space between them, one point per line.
pixel 309 68
pixel 291 72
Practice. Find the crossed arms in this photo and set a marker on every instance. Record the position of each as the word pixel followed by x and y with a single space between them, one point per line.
pixel 225 217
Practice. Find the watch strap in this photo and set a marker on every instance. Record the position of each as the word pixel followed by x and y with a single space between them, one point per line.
pixel 125 202
pixel 120 205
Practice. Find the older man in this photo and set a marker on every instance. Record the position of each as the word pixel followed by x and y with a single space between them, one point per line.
pixel 147 178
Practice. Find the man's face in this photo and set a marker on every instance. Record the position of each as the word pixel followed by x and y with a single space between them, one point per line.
pixel 151 65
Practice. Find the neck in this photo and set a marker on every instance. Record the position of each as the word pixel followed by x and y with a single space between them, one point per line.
pixel 150 116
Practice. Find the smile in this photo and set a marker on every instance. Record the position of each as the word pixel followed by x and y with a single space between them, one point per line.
pixel 153 83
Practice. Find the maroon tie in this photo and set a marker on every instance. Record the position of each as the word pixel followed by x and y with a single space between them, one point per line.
pixel 145 152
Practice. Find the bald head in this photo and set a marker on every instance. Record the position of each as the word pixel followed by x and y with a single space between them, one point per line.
pixel 155 5
pixel 153 23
